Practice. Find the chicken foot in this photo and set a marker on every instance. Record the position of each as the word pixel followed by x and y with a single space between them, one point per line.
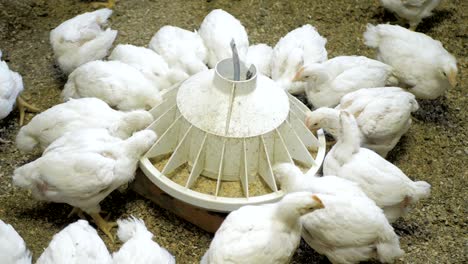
pixel 23 106
pixel 105 226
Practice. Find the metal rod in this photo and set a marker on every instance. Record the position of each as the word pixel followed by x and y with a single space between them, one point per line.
pixel 235 61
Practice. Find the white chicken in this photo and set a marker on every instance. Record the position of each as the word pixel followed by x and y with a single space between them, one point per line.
pixel 77 114
pixel 11 85
pixel 217 30
pixel 291 179
pixel 412 10
pixel 302 46
pixel 351 228
pixel 268 233
pixel 421 64
pixel 327 82
pixel 148 62
pixel 116 83
pixel 13 250
pixel 260 56
pixel 183 50
pixel 81 168
pixel 139 247
pixel 351 231
pixel 75 244
pixel 383 115
pixel 382 181
pixel 82 39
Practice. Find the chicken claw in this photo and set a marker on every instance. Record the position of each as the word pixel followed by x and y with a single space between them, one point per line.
pixel 23 106
pixel 104 225
pixel 108 4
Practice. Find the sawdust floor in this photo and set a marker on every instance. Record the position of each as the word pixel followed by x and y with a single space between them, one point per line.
pixel 435 149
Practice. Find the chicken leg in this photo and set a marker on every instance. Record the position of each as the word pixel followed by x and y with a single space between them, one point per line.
pixel 108 4
pixel 76 211
pixel 104 225
pixel 23 106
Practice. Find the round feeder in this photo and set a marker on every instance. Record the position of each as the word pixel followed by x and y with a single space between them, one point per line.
pixel 219 139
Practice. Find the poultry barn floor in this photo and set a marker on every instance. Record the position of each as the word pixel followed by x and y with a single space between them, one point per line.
pixel 435 149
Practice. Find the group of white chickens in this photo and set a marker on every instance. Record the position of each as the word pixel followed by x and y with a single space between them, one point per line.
pixel 92 142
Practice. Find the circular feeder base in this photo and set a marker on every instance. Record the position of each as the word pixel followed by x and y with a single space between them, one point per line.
pixel 206 220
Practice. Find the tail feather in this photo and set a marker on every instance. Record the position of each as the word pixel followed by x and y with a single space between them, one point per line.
pixel 69 90
pixel 372 36
pixel 24 141
pixel 25 175
pixel 12 247
pixel 388 247
pixel 422 190
pixel 132 227
pixel 414 104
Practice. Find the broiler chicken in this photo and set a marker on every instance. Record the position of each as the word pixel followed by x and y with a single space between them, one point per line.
pixel 291 179
pixel 302 46
pixel 77 114
pixel 217 30
pixel 139 247
pixel 75 244
pixel 260 56
pixel 327 82
pixel 116 83
pixel 411 10
pixel 11 85
pixel 82 39
pixel 351 228
pixel 183 50
pixel 420 63
pixel 148 62
pixel 268 233
pixel 382 181
pixel 81 168
pixel 13 250
pixel 383 115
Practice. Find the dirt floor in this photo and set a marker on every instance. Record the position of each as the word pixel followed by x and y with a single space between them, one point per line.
pixel 435 149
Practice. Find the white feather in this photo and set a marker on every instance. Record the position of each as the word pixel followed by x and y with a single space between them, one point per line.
pixel 151 64
pixel 217 30
pixel 77 243
pixel 329 81
pixel 82 39
pixel 182 49
pixel 13 250
pixel 77 114
pixel 138 247
pixel 81 168
pixel 11 85
pixel 268 233
pixel 420 63
pixel 382 181
pixel 301 46
pixel 116 83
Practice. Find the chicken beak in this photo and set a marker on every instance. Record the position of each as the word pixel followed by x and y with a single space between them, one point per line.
pixel 298 76
pixel 452 78
pixel 319 202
